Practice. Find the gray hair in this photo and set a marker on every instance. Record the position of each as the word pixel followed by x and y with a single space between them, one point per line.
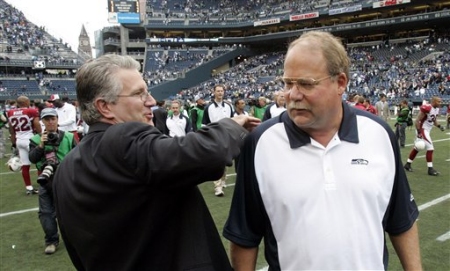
pixel 96 78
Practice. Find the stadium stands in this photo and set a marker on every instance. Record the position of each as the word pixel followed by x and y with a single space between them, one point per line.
pixel 411 65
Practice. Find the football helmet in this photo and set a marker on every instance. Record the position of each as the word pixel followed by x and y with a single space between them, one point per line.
pixel 14 164
pixel 419 144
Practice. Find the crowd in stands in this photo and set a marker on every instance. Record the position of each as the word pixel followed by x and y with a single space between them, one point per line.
pixel 413 70
pixel 21 39
pixel 210 11
pixel 397 75
pixel 164 64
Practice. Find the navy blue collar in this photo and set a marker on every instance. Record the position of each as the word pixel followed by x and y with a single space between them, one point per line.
pixel 348 131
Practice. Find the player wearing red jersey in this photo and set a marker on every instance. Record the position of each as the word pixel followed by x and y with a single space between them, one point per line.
pixel 23 124
pixel 426 119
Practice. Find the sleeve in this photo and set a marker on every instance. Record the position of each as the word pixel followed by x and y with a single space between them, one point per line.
pixel 267 114
pixel 231 110
pixel 206 119
pixel 169 123
pixel 426 108
pixel 402 211
pixel 36 153
pixel 188 127
pixel 171 163
pixel 247 221
pixel 194 117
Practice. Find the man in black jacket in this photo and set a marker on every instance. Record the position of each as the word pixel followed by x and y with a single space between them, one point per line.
pixel 160 116
pixel 127 196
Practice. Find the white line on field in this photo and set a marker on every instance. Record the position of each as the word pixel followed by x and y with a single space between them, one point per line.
pixel 444 237
pixel 434 202
pixel 12 172
pixel 19 212
pixel 421 207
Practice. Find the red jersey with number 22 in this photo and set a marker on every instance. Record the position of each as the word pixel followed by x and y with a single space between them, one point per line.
pixel 21 119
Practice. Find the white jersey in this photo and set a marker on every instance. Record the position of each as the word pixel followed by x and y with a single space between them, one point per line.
pixel 67 118
pixel 431 113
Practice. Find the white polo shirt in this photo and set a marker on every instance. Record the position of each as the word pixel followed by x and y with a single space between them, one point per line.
pixel 217 111
pixel 321 208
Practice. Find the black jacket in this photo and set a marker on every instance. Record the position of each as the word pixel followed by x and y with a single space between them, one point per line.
pixel 127 197
pixel 159 119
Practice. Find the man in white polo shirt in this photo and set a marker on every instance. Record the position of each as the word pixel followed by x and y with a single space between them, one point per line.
pixel 323 182
pixel 178 123
pixel 218 109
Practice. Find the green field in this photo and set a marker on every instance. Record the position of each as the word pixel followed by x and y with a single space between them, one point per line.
pixel 22 239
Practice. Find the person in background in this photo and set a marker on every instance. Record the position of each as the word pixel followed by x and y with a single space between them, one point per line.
pixel 426 119
pixel 382 107
pixel 178 124
pixel 160 116
pixel 12 104
pixel 3 122
pixel 49 103
pixel 127 196
pixel 400 126
pixel 258 110
pixel 67 115
pixel 23 124
pixel 369 107
pixel 218 109
pixel 323 182
pixel 239 107
pixel 196 113
pixel 276 108
pixel 47 150
pixel 360 103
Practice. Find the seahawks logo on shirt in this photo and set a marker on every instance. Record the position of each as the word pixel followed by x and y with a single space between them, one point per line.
pixel 360 161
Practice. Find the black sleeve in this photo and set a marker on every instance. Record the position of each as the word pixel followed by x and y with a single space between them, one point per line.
pixel 194 119
pixel 188 125
pixel 267 114
pixel 36 153
pixel 145 152
pixel 231 111
pixel 206 119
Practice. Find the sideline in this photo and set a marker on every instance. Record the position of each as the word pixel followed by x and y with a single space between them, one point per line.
pixel 433 202
pixel 444 237
pixel 19 212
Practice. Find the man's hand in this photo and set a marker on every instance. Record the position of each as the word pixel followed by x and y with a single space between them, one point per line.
pixel 247 122
pixel 14 150
pixel 44 138
pixel 420 133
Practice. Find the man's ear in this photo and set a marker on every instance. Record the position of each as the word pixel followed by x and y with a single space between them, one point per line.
pixel 342 83
pixel 104 108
